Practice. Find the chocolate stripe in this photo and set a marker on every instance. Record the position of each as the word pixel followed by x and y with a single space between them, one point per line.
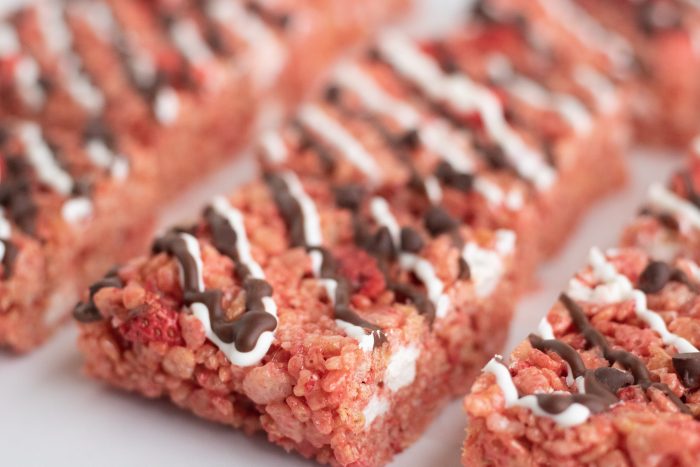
pixel 629 361
pixel 87 312
pixel 292 214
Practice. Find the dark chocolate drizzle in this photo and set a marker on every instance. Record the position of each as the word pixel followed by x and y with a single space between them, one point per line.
pixel 293 217
pixel 274 19
pixel 8 259
pixel 687 366
pixel 16 193
pixel 628 360
pixel 658 273
pixel 87 312
pixel 648 15
pixel 244 330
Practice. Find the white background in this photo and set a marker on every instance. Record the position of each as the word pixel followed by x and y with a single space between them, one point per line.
pixel 50 414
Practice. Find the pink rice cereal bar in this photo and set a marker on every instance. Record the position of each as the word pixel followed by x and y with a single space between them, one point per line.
pixel 169 72
pixel 651 46
pixel 326 314
pixel 70 206
pixel 464 123
pixel 610 377
pixel 668 225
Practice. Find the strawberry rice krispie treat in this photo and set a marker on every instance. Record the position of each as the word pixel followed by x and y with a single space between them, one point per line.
pixel 668 225
pixel 170 72
pixel 70 206
pixel 650 46
pixel 336 318
pixel 610 377
pixel 463 123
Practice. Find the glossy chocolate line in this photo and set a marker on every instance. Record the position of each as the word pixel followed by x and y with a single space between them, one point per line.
pixel 436 219
pixel 245 330
pixel 292 214
pixel 380 245
pixel 278 20
pixel 564 350
pixel 87 312
pixel 8 259
pixel 628 360
pixel 16 194
pixel 658 273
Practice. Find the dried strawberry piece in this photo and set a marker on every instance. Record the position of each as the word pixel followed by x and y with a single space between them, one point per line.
pixel 157 323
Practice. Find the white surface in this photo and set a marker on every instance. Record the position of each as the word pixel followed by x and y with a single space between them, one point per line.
pixel 52 415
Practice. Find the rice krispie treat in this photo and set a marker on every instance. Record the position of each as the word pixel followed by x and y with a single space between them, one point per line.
pixel 170 72
pixel 610 377
pixel 464 122
pixel 668 225
pixel 336 318
pixel 70 206
pixel 651 46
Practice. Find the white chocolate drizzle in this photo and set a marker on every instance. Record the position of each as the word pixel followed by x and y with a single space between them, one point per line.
pixel 235 219
pixel 51 174
pixel 485 265
pixel 436 135
pixel 616 287
pixel 467 96
pixel 535 95
pixel 59 39
pixel 266 54
pixel 574 414
pixel 26 73
pixel 590 32
pixel 660 197
pixel 318 120
pixel 421 267
pixel 5 233
pixel 313 237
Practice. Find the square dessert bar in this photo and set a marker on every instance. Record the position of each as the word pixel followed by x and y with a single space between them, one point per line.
pixel 609 378
pixel 668 225
pixel 70 206
pixel 326 314
pixel 464 122
pixel 169 72
pixel 652 47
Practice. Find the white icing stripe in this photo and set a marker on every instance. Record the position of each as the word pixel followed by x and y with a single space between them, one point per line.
pixel 486 266
pixel 102 156
pixel 312 222
pixel 313 237
pixel 589 32
pixel 200 311
pixel 192 245
pixel 166 105
pixel 50 173
pixel 5 232
pixel 599 87
pixel 187 38
pixel 267 53
pixel 467 96
pixel 320 122
pixel 535 95
pixel 661 198
pixel 437 135
pixel 43 161
pixel 616 287
pixel 59 39
pixel 26 72
pixel 575 414
pixel 274 146
pixel 421 267
pixel 235 220
pixel 375 98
